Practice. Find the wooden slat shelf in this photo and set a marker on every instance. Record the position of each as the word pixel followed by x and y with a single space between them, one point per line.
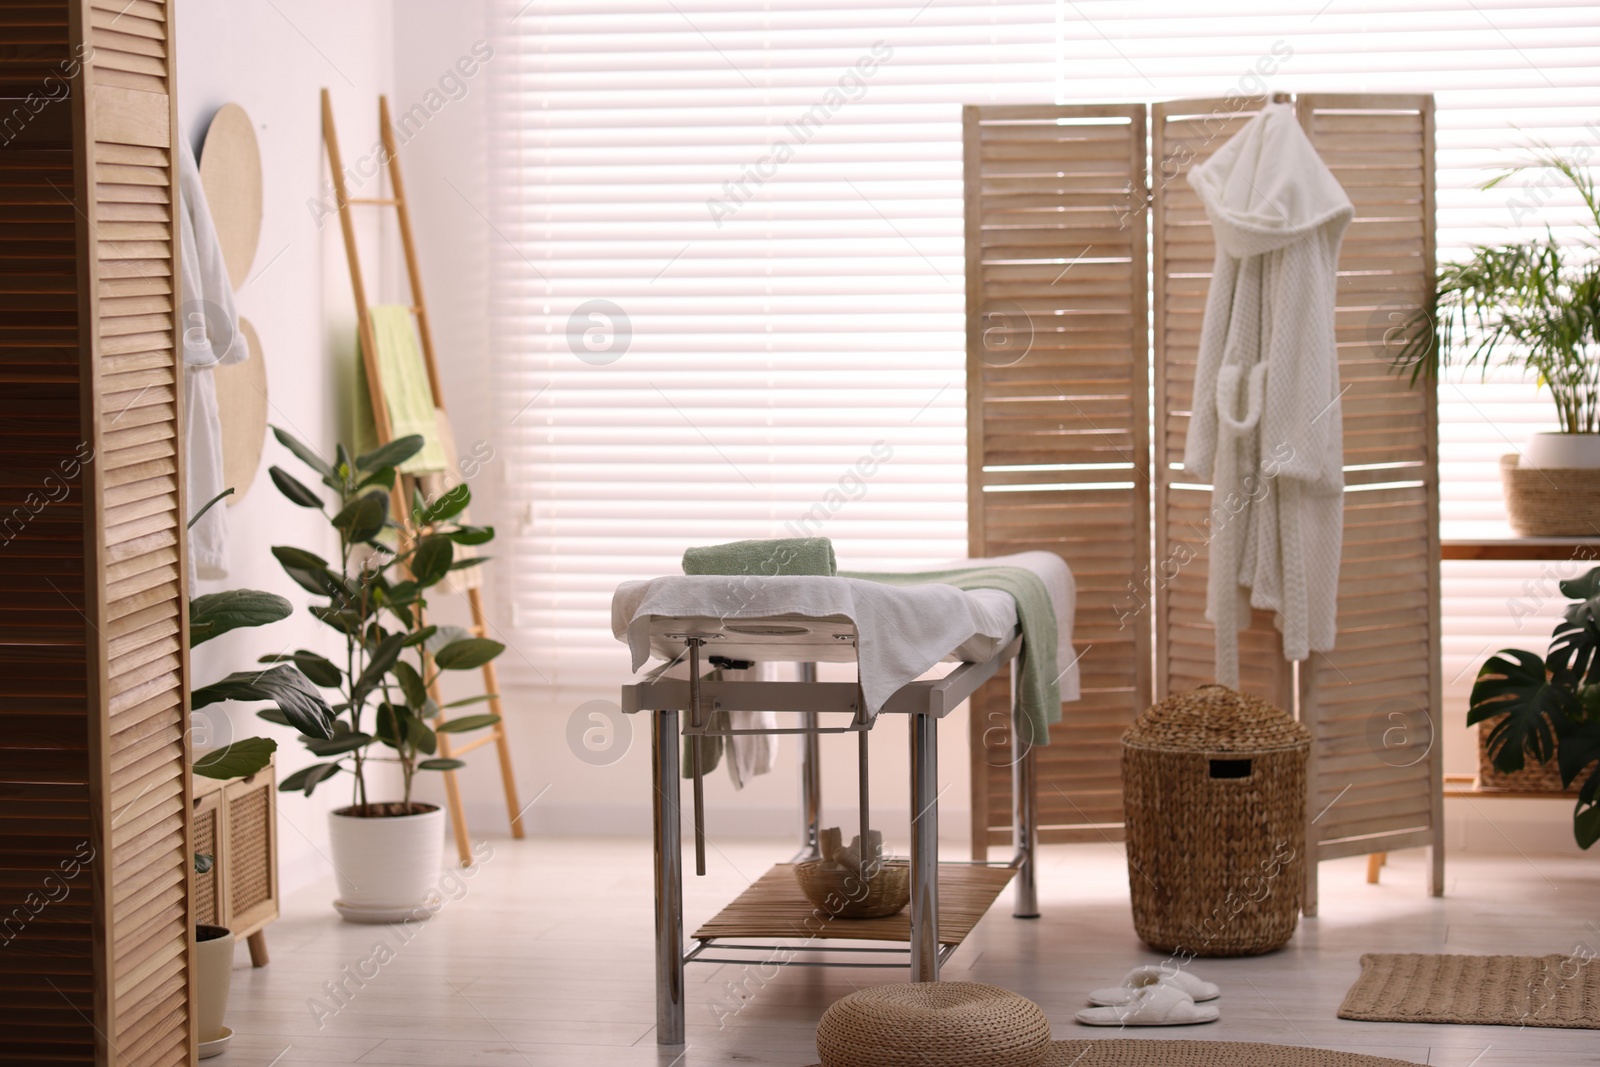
pixel 1466 785
pixel 773 906
pixel 1520 548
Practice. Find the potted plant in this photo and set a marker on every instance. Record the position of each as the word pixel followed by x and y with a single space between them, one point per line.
pixel 386 853
pixel 1533 306
pixel 294 700
pixel 1548 708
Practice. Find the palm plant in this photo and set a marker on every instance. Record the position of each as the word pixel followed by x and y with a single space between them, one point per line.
pixel 1535 306
pixel 375 599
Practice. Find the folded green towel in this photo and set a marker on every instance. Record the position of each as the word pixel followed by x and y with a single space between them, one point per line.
pixel 782 555
pixel 1039 702
pixel 405 389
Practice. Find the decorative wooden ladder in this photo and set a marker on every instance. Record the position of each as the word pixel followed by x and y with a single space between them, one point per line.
pixel 380 417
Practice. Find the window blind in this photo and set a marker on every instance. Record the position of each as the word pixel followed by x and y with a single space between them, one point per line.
pixel 728 290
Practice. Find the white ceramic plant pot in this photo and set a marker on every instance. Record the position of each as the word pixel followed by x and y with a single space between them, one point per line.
pixel 213 963
pixel 1564 451
pixel 387 867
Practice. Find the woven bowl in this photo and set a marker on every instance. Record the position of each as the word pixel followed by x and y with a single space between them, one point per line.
pixel 933 1024
pixel 1551 501
pixel 840 892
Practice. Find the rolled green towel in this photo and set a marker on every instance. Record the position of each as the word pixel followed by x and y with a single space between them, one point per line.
pixel 781 555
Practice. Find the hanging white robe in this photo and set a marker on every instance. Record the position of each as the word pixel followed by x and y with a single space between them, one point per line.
pixel 211 336
pixel 1266 430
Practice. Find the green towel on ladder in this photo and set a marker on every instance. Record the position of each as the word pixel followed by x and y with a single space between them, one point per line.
pixel 404 378
pixel 1039 679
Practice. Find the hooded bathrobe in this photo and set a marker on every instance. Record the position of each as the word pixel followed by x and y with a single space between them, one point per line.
pixel 211 338
pixel 1266 429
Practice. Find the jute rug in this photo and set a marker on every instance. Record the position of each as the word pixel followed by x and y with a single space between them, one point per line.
pixel 1561 991
pixel 1128 1052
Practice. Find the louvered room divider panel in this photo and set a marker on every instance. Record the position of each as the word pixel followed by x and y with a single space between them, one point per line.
pixel 48 881
pixel 1373 701
pixel 1184 134
pixel 138 368
pixel 1058 426
pixel 93 763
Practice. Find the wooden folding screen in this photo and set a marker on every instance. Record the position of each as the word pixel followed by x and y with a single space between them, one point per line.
pixel 95 849
pixel 1058 427
pixel 1373 702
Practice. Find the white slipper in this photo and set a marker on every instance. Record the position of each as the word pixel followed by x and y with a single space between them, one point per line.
pixel 1152 1005
pixel 1149 975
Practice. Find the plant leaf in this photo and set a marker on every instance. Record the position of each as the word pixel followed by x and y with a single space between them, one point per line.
pixel 306 779
pixel 311 572
pixel 431 561
pixel 411 683
pixel 467 654
pixel 479 699
pixel 421 636
pixel 466 723
pixel 1581 588
pixel 237 760
pixel 421 736
pixel 362 519
pixel 293 693
pixel 274 715
pixel 348 741
pixel 294 489
pixel 379 663
pixel 203 863
pixel 441 765
pixel 303 452
pixel 471 535
pixel 474 561
pixel 448 504
pixel 318 668
pixel 392 454
pixel 384 477
pixel 1513 683
pixel 213 614
pixel 208 506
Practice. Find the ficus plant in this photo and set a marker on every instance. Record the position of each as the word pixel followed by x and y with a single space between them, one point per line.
pixel 375 597
pixel 1551 704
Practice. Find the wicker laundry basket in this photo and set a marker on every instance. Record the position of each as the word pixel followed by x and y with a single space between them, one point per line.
pixel 1214 787
pixel 1533 778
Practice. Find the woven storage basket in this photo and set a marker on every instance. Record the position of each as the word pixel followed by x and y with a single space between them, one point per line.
pixel 1533 778
pixel 839 890
pixel 1214 787
pixel 933 1024
pixel 1551 501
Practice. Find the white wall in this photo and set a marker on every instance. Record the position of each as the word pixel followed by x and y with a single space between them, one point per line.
pixel 272 58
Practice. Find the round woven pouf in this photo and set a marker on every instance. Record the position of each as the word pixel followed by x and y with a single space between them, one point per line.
pixel 933 1024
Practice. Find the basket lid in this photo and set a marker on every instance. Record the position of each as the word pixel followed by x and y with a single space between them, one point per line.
pixel 1214 718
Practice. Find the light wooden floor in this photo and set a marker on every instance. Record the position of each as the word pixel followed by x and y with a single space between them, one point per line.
pixel 546 959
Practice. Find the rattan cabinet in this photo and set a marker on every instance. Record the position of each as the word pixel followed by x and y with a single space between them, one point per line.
pixel 236 823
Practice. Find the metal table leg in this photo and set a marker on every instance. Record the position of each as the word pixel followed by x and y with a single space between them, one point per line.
pixel 669 877
pixel 1024 802
pixel 924 729
pixel 810 777
pixel 1025 789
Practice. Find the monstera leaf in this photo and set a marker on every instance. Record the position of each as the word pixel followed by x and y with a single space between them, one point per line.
pixel 1517 685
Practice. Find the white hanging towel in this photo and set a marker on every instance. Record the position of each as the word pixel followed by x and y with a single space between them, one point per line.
pixel 1266 430
pixel 211 336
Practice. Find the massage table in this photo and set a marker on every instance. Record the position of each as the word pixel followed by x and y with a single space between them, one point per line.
pixel 894 634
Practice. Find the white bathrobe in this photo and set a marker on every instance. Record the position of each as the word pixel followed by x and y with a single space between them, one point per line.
pixel 1266 430
pixel 211 336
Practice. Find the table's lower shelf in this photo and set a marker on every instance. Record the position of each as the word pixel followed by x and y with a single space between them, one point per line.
pixel 773 906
